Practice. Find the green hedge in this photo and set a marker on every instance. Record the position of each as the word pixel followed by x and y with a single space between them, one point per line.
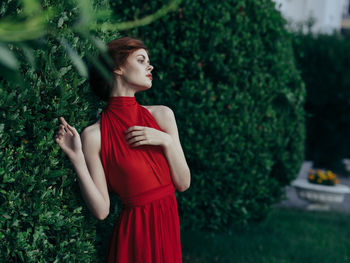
pixel 227 71
pixel 324 61
pixel 43 216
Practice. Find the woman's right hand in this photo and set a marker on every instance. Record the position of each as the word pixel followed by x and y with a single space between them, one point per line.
pixel 69 140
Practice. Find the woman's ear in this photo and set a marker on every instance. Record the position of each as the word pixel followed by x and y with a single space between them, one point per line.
pixel 118 71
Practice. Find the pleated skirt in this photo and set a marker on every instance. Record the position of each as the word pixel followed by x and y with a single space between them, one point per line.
pixel 147 229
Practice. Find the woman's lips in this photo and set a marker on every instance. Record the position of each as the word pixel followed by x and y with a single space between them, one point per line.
pixel 150 76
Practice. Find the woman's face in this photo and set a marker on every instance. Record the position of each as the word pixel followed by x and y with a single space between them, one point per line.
pixel 137 70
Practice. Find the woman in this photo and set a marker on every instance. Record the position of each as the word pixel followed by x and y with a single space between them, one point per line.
pixel 135 152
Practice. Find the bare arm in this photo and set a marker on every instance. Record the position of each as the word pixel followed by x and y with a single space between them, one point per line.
pixel 173 151
pixel 85 158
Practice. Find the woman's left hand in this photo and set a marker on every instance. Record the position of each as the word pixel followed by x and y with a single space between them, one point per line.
pixel 142 135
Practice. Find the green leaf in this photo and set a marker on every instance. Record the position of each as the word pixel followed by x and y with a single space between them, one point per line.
pixel 28 52
pixel 31 7
pixel 76 59
pixel 7 58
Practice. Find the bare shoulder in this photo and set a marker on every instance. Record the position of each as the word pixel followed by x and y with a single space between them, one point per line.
pixel 92 134
pixel 160 111
pixel 164 116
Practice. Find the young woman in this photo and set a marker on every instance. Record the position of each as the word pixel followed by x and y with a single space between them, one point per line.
pixel 135 152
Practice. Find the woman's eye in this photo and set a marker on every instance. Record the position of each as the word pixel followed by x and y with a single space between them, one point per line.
pixel 141 60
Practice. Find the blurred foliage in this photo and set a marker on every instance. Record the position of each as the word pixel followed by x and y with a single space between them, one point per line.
pixel 26 24
pixel 324 62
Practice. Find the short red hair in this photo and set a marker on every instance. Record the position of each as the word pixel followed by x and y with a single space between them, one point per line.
pixel 118 51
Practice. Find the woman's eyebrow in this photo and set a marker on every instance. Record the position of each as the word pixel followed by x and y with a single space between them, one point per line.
pixel 143 57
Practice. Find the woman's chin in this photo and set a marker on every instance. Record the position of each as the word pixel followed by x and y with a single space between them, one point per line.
pixel 149 86
pixel 146 87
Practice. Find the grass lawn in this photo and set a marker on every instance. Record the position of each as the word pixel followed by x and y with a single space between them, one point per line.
pixel 287 235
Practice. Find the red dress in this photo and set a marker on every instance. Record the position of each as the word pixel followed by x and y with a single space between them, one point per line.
pixel 147 229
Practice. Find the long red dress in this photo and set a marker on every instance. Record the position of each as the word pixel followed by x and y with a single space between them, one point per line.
pixel 147 229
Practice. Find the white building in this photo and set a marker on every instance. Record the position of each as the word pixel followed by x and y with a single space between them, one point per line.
pixel 327 14
pixel 346 15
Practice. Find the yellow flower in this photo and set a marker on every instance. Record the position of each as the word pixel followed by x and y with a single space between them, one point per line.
pixel 320 176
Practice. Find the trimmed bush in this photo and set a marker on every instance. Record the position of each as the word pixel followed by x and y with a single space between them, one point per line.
pixel 324 61
pixel 43 216
pixel 227 70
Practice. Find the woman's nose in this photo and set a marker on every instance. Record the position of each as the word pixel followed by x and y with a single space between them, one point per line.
pixel 150 68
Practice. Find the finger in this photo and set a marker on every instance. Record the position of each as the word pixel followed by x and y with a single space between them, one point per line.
pixel 63 121
pixel 132 134
pixel 58 140
pixel 139 143
pixel 65 124
pixel 62 128
pixel 137 139
pixel 134 128
pixel 61 133
pixel 72 130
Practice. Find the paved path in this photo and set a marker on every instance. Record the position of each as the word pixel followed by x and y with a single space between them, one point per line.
pixel 294 201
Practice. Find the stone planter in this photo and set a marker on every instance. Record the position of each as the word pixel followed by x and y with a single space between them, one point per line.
pixel 320 196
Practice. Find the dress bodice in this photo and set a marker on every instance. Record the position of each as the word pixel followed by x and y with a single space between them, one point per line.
pixel 130 170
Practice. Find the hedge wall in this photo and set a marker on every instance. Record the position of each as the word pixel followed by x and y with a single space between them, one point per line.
pixel 227 71
pixel 43 216
pixel 324 61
